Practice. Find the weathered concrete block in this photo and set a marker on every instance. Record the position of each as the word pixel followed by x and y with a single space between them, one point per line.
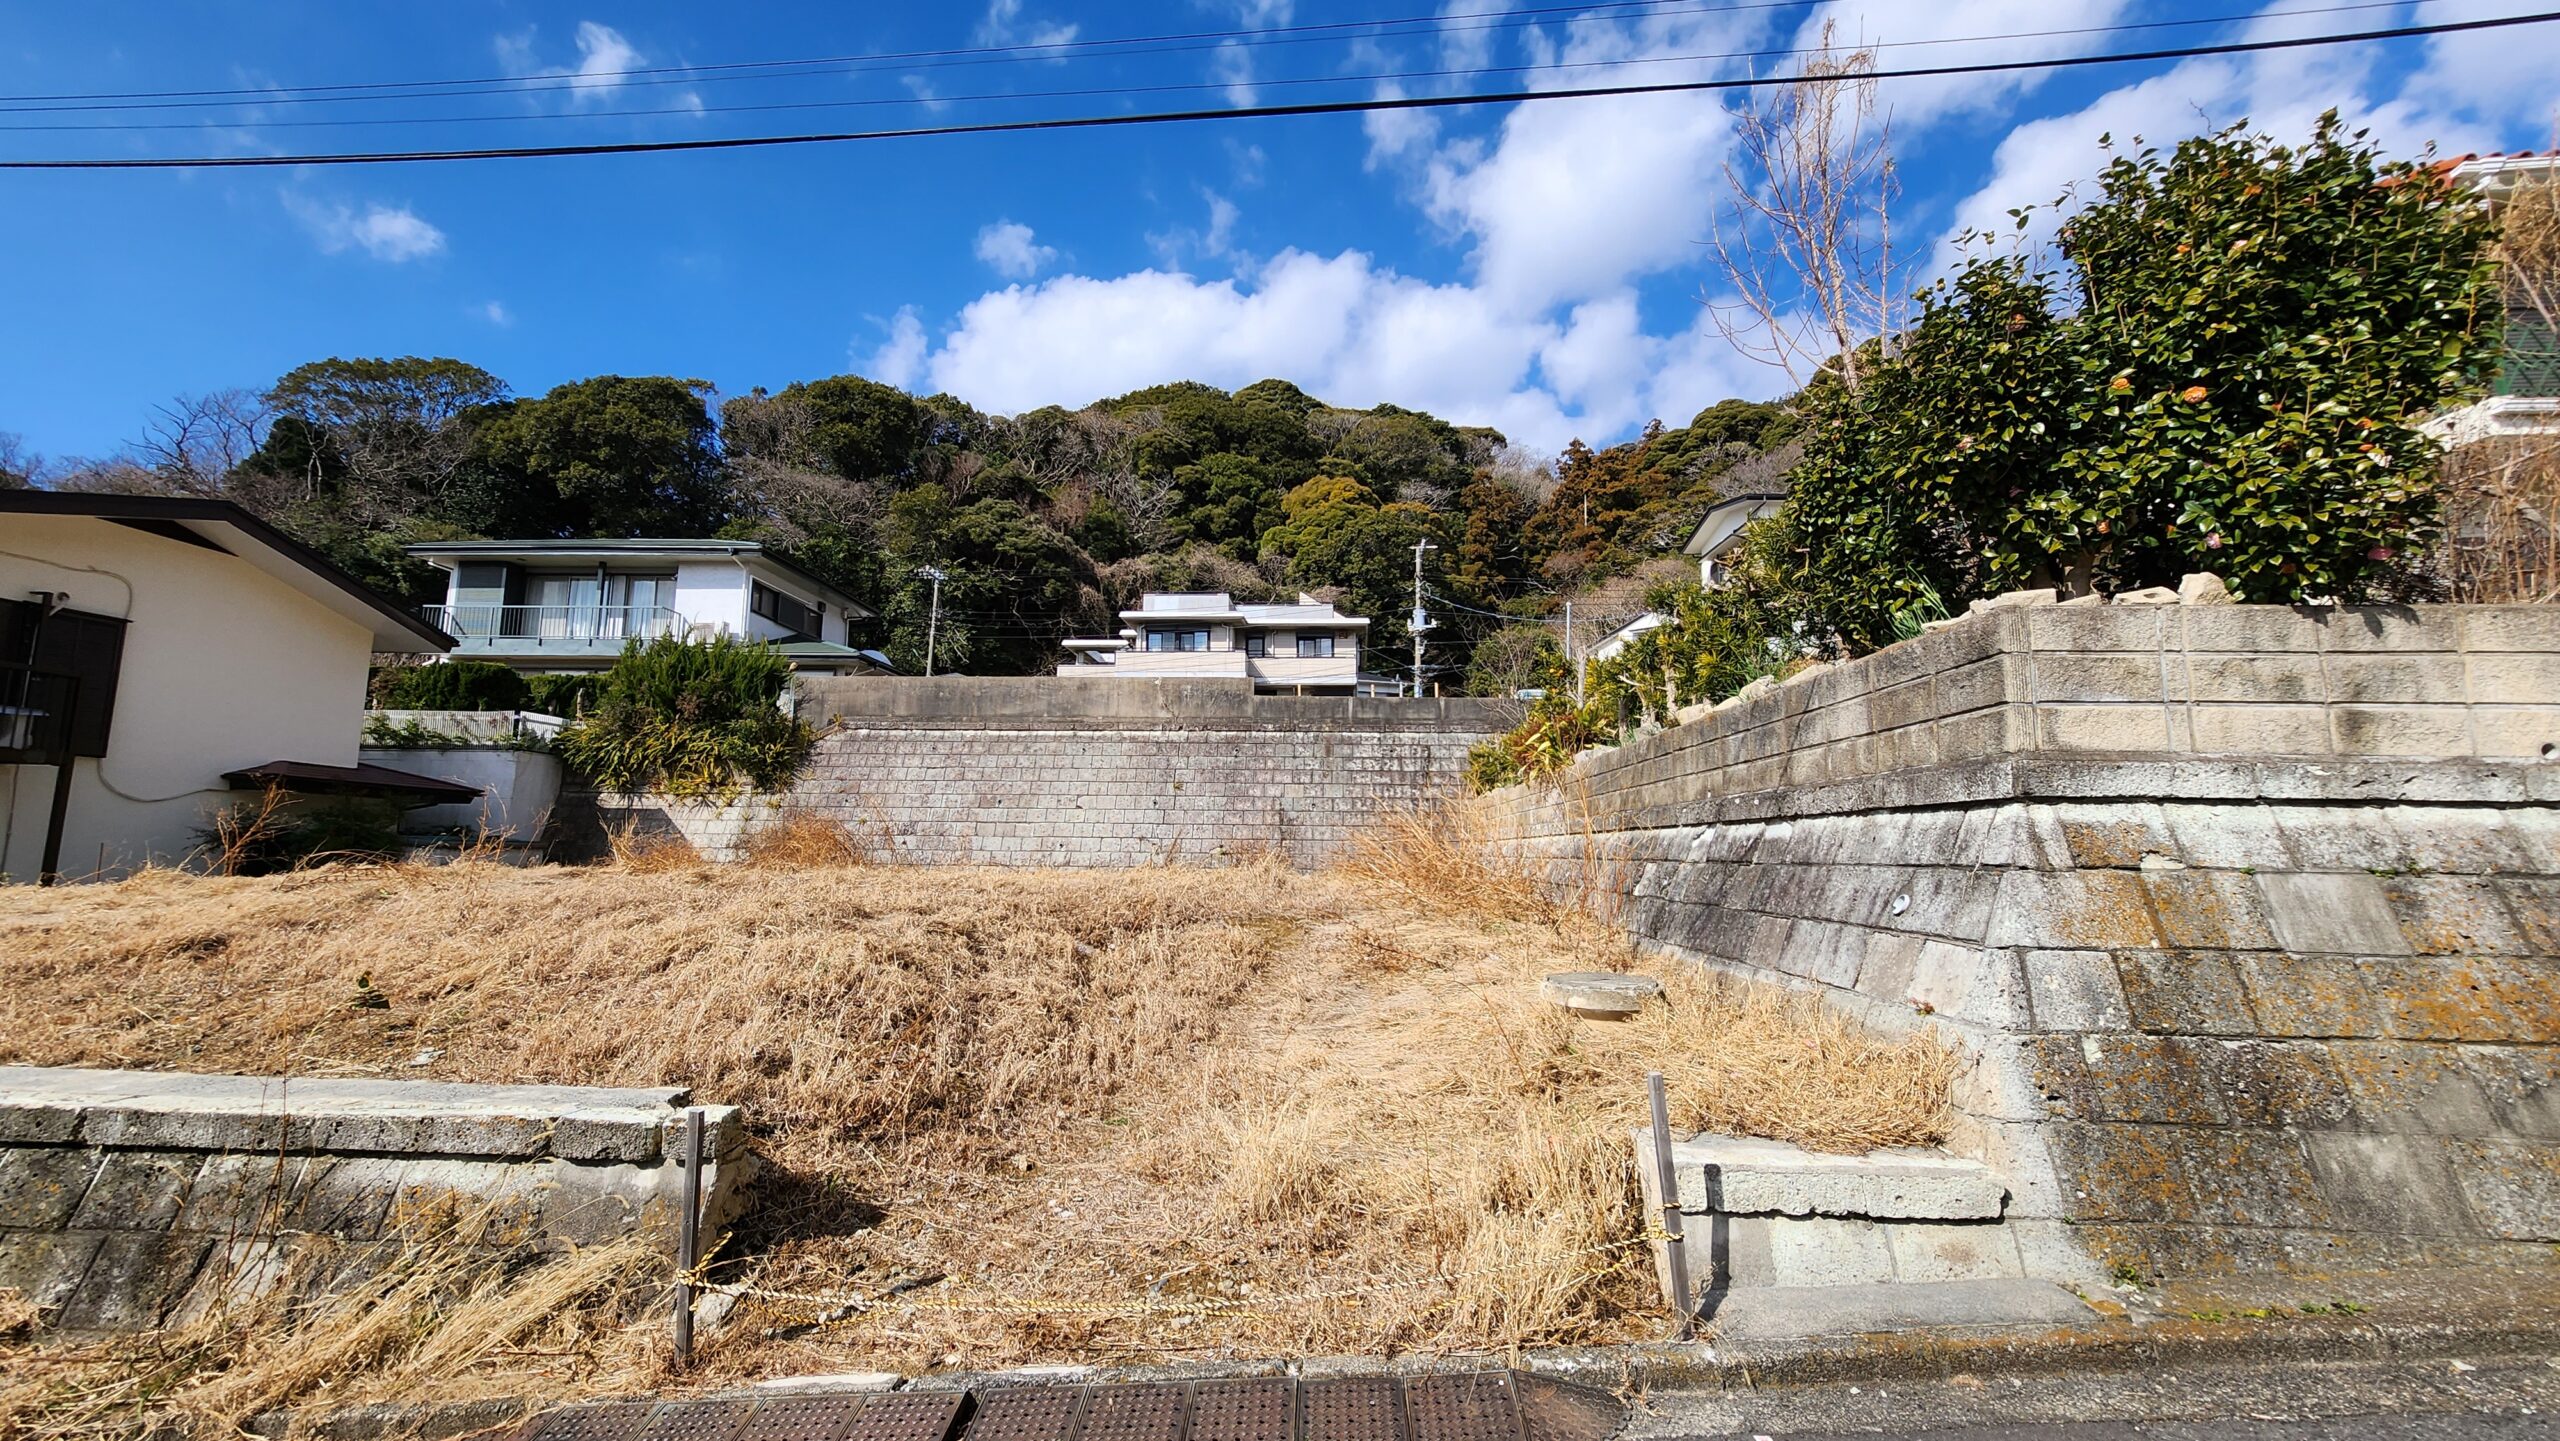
pixel 2451 915
pixel 2513 1187
pixel 2260 729
pixel 2075 991
pixel 2308 995
pixel 2393 1183
pixel 1745 1176
pixel 2338 914
pixel 2424 731
pixel 40 1186
pixel 2092 910
pixel 47 1267
pixel 1979 1251
pixel 2185 993
pixel 1829 1251
pixel 2217 910
pixel 138 1191
pixel 134 1280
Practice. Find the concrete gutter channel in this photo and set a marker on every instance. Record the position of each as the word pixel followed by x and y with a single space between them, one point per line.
pixel 2230 1327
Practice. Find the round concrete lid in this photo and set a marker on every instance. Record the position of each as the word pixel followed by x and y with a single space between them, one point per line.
pixel 1599 993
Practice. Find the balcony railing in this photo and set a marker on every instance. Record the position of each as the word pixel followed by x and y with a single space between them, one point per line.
pixel 561 625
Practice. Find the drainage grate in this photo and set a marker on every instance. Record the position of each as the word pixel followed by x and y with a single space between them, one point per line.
pixel 694 1421
pixel 624 1421
pixel 1463 1408
pixel 1244 1411
pixel 909 1416
pixel 1027 1413
pixel 1139 1413
pixel 802 1418
pixel 1354 1408
pixel 1479 1406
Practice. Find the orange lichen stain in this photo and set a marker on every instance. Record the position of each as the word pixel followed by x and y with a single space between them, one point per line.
pixel 2458 1002
pixel 2192 911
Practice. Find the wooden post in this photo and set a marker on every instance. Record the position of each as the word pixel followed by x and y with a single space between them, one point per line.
pixel 1666 1180
pixel 689 1235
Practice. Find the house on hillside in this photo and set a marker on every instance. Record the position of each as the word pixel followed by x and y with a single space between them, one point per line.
pixel 1752 489
pixel 571 605
pixel 1303 648
pixel 162 658
pixel 2525 401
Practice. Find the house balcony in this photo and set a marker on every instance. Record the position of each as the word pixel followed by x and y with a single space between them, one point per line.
pixel 551 632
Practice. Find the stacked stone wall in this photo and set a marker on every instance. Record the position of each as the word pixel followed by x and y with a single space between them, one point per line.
pixel 2249 917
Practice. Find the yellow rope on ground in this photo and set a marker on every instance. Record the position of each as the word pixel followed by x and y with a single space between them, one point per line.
pixel 1142 1306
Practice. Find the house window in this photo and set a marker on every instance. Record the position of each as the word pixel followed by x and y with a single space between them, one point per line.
pixel 1315 647
pixel 1257 644
pixel 1177 640
pixel 796 616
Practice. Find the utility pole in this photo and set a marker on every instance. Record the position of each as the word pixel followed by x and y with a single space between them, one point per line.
pixel 1568 654
pixel 1421 622
pixel 933 617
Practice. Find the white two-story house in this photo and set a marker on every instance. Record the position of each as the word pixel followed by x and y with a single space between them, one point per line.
pixel 571 605
pixel 1305 648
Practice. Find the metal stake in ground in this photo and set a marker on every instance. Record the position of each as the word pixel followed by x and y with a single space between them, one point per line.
pixel 1666 1180
pixel 689 1235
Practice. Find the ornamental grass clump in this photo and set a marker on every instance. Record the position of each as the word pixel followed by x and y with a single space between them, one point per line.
pixel 691 718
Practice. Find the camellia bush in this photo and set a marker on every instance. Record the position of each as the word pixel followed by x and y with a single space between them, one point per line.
pixel 2224 372
pixel 691 718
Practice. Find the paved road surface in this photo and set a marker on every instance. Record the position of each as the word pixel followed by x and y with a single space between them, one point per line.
pixel 2481 1399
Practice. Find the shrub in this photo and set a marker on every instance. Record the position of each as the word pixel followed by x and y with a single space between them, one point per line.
pixel 563 695
pixel 451 685
pixel 691 719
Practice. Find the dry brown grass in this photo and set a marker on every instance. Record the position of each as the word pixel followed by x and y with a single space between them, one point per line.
pixel 1241 1083
pixel 799 838
pixel 644 854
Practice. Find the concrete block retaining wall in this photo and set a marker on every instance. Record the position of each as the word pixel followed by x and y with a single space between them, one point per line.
pixel 131 1199
pixel 2249 916
pixel 1068 771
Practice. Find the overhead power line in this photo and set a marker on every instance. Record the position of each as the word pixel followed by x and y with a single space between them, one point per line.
pixel 1112 91
pixel 1258 112
pixel 555 81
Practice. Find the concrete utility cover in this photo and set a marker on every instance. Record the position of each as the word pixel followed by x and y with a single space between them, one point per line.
pixel 1605 994
pixel 1472 1406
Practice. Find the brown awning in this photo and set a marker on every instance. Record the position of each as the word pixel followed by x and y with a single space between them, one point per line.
pixel 358 780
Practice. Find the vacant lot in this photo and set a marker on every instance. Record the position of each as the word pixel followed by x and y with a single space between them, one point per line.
pixel 982 1086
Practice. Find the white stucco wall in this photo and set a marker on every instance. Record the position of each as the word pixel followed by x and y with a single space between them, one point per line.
pixel 713 593
pixel 224 667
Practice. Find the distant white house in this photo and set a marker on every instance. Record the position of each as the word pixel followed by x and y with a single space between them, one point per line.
pixel 162 658
pixel 2526 398
pixel 1751 490
pixel 571 605
pixel 1304 648
pixel 1618 640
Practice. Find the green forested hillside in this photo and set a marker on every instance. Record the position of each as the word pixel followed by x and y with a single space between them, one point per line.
pixel 1045 523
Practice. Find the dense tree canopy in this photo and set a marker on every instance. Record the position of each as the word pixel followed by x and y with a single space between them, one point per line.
pixel 1044 525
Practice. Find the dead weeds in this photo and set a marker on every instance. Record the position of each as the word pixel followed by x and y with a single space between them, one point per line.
pixel 1233 1085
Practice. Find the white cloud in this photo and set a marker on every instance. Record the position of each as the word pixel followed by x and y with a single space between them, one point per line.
pixel 1010 251
pixel 381 231
pixel 1346 328
pixel 496 313
pixel 603 56
pixel 2280 92
pixel 1256 12
pixel 898 360
pixel 1003 25
pixel 1232 66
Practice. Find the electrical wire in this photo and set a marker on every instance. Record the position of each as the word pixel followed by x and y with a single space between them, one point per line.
pixel 1570 14
pixel 1336 107
pixel 841 65
pixel 1114 91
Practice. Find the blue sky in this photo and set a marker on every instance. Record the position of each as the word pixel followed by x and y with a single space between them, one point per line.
pixel 1538 268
